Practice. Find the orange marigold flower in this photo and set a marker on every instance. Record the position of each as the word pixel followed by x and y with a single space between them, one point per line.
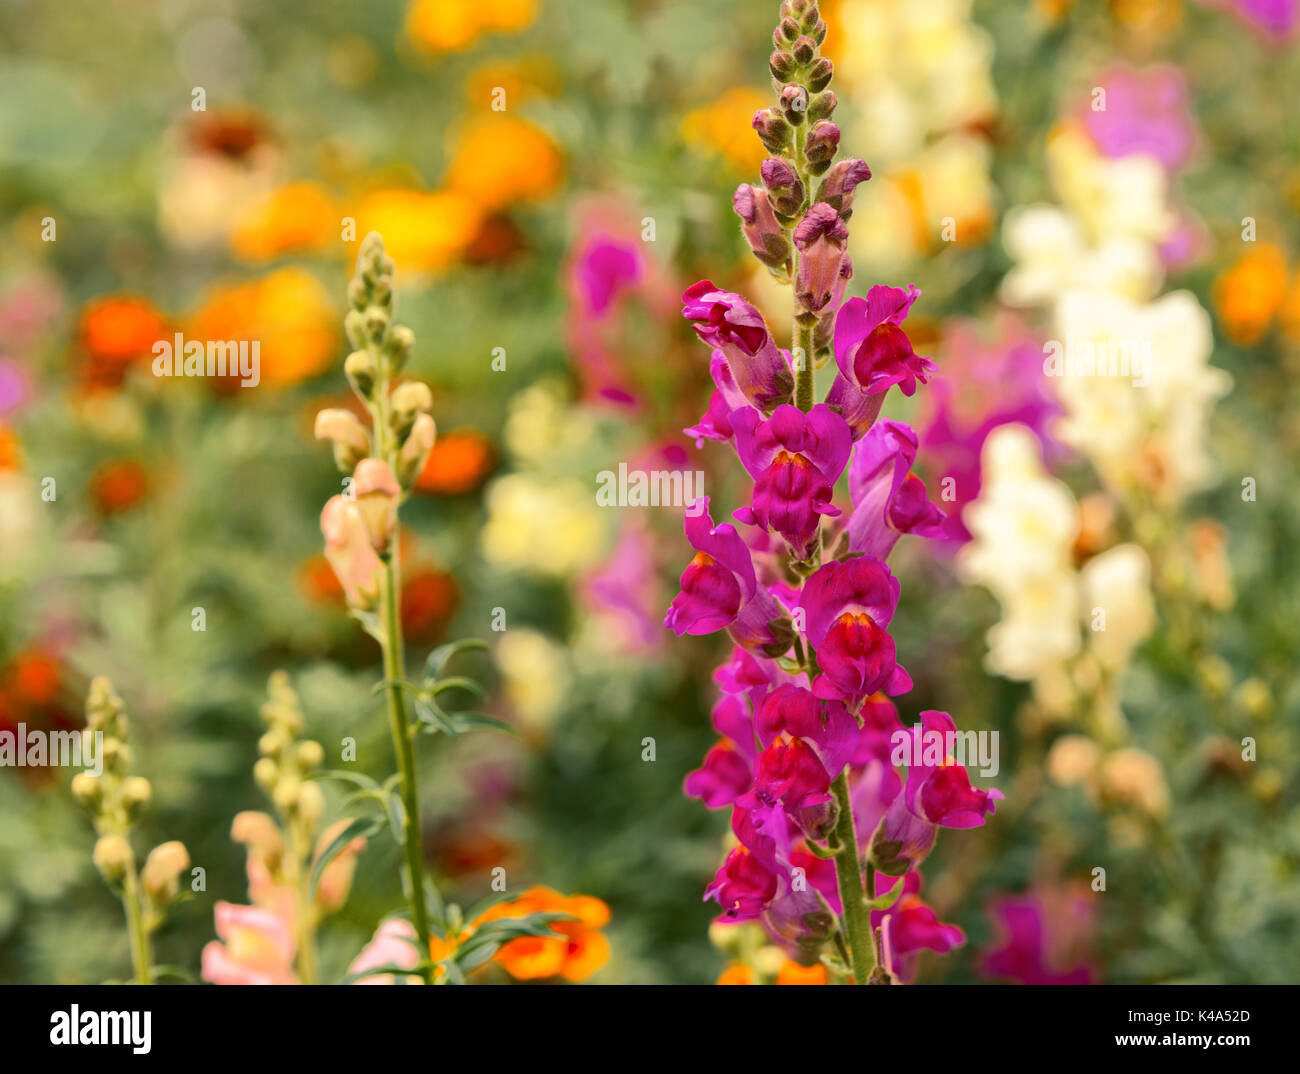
pixel 296 218
pixel 724 126
pixel 1250 292
pixel 115 331
pixel 424 232
pixel 288 311
pixel 737 973
pixel 791 973
pixel 118 486
pixel 458 463
pixel 500 160
pixel 429 599
pixel 449 25
pixel 576 955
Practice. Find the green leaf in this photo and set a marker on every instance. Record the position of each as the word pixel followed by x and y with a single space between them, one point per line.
pixel 357 778
pixel 456 682
pixel 464 722
pixel 400 971
pixel 362 826
pixel 438 659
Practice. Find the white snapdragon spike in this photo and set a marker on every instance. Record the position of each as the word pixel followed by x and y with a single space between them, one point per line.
pixel 1117 584
pixel 1024 525
pixel 1143 407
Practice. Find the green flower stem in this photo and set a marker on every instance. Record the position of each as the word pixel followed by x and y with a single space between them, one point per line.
pixel 141 957
pixel 306 961
pixel 805 377
pixel 848 875
pixel 404 745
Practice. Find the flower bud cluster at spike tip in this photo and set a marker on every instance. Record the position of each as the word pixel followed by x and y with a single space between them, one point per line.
pixel 285 762
pixel 807 729
pixel 115 800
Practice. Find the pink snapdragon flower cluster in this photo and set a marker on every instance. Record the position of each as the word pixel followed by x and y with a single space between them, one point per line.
pixel 809 735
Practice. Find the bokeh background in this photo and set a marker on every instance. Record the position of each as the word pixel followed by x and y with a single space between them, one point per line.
pixel 549 176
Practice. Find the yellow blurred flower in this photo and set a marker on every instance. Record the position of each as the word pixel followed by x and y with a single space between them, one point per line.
pixel 724 126
pixel 295 218
pixel 1250 292
pixel 424 232
pixel 499 160
pixel 450 25
pixel 288 311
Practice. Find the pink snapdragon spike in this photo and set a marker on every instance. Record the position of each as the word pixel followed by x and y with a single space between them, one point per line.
pixel 256 947
pixel 988 379
pixel 805 761
pixel 732 325
pixel 1045 937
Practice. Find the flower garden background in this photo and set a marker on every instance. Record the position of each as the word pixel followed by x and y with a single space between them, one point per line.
pixel 1100 568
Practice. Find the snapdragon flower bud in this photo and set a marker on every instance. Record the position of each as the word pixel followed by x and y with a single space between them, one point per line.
pixel 784 186
pixel 361 370
pixel 823 142
pixel 136 795
pixel 821 239
pixel 794 103
pixel 766 237
pixel 773 131
pixel 840 182
pixel 88 790
pixel 159 877
pixel 112 857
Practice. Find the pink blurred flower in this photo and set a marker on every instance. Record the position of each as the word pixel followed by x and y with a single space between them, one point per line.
pixel 1146 112
pixel 256 947
pixel 393 944
pixel 1045 938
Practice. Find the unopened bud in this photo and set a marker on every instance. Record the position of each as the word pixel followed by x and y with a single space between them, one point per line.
pixel 767 238
pixel 310 803
pixel 87 790
pixel 112 857
pixel 310 754
pixel 773 131
pixel 161 869
pixel 823 142
pixel 136 794
pixel 819 77
pixel 794 104
pixel 361 370
pixel 350 439
pixel 377 493
pixel 783 186
pixel 354 326
pixel 266 773
pixel 398 344
pixel 782 65
pixel 804 50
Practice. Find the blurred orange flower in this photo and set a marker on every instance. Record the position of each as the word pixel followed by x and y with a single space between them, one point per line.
pixel 448 25
pixel 429 599
pixel 458 463
pixel 115 331
pixel 1250 292
pixel 34 676
pixel 791 973
pixel 575 955
pixel 298 217
pixel 578 952
pixel 737 973
pixel 118 486
pixel 423 232
pixel 318 582
pixel 725 126
pixel 288 310
pixel 11 455
pixel 500 160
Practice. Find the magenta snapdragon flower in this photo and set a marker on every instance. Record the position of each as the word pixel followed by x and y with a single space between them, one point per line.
pixel 805 761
